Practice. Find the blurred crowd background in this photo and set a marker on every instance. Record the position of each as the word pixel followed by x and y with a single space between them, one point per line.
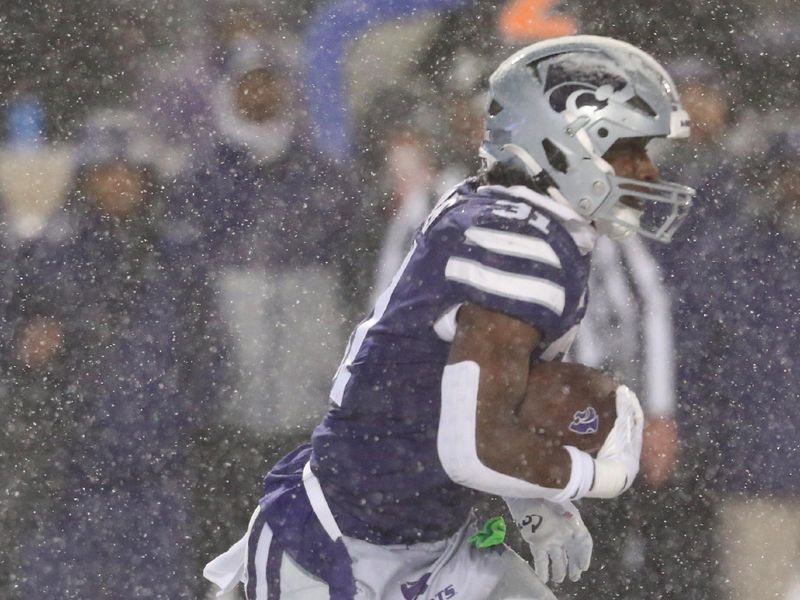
pixel 198 200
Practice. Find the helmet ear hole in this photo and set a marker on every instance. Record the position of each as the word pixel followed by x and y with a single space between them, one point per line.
pixel 494 108
pixel 555 156
pixel 602 132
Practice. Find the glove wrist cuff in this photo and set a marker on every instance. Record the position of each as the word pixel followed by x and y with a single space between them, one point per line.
pixel 610 479
pixel 581 475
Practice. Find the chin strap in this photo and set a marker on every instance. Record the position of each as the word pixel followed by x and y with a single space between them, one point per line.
pixel 624 223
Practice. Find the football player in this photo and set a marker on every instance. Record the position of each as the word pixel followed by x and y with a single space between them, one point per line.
pixel 421 420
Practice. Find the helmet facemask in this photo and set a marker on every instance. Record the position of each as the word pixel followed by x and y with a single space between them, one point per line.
pixel 558 106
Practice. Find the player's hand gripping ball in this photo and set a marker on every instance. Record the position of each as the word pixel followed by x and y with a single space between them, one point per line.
pixel 569 404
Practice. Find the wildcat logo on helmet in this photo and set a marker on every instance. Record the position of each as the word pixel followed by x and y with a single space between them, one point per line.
pixel 585 422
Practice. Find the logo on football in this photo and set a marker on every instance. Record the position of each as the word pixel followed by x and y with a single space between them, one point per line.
pixel 585 422
pixel 569 404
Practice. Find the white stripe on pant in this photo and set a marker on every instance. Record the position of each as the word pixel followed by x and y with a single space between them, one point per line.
pixel 295 583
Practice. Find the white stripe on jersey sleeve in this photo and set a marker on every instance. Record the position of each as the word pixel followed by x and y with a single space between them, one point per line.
pixel 358 336
pixel 509 285
pixel 513 244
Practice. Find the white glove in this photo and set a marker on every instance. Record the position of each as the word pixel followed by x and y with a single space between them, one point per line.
pixel 556 534
pixel 617 462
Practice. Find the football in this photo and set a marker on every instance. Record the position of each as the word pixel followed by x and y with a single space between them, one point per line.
pixel 570 404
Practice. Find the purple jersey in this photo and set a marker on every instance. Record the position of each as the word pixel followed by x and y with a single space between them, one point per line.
pixel 375 452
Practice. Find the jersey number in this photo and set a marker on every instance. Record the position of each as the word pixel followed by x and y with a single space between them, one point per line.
pixel 522 212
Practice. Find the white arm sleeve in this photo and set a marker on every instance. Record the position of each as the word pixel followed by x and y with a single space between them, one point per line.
pixel 457 446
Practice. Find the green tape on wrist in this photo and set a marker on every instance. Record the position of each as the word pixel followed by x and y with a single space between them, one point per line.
pixel 493 533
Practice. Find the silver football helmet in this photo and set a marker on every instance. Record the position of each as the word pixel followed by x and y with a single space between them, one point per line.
pixel 557 106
